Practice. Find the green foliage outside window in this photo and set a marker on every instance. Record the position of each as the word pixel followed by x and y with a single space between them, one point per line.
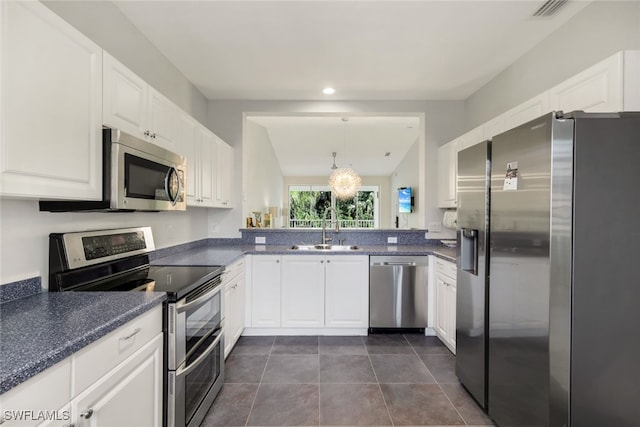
pixel 307 208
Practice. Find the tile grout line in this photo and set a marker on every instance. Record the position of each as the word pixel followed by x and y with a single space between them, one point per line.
pixel 378 382
pixel 438 384
pixel 260 383
pixel 319 399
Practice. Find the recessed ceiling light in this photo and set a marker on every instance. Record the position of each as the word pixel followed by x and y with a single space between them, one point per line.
pixel 328 91
pixel 387 154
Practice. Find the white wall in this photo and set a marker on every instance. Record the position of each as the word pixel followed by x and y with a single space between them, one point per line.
pixel 24 246
pixel 406 175
pixel 262 170
pixel 382 182
pixel 598 31
pixel 443 121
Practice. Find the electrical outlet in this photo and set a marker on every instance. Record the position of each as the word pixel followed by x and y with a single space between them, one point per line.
pixel 392 240
pixel 261 240
pixel 435 227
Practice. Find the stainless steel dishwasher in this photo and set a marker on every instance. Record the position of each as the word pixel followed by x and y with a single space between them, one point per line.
pixel 398 292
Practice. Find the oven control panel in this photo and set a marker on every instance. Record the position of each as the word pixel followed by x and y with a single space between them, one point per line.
pixel 68 251
pixel 112 244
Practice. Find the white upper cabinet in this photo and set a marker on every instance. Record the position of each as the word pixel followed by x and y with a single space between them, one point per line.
pixel 50 106
pixel 134 107
pixel 597 89
pixel 610 85
pixel 473 137
pixel 529 110
pixel 447 174
pixel 208 164
pixel 223 174
pixel 495 126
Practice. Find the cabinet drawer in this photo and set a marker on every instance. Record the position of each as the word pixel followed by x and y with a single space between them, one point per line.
pixel 232 271
pixel 446 267
pixel 100 357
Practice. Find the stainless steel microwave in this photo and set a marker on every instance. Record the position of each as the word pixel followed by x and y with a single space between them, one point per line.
pixel 136 176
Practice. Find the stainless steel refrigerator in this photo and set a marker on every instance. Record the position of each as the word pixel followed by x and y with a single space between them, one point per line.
pixel 564 272
pixel 474 168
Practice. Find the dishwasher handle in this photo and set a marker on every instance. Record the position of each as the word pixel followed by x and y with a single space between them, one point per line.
pixel 400 263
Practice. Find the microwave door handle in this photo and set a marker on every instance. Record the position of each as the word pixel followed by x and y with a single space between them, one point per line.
pixel 184 306
pixel 185 370
pixel 173 199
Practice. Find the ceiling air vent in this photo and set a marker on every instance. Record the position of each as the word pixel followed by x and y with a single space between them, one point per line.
pixel 550 7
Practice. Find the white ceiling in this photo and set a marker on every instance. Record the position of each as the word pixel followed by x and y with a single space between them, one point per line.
pixel 366 50
pixel 383 50
pixel 303 144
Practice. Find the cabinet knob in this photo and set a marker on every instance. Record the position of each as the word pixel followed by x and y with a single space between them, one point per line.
pixel 328 261
pixel 86 414
pixel 153 135
pixel 147 133
pixel 277 261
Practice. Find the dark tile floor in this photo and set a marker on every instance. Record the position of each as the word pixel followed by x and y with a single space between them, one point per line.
pixel 379 380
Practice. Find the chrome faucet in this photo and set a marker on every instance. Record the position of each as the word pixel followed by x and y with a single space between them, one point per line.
pixel 326 239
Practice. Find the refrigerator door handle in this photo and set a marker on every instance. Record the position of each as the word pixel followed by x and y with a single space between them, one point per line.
pixel 469 250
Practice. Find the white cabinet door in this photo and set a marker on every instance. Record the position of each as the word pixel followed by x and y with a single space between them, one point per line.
pixel 207 144
pixel 451 314
pixel 303 291
pixel 224 174
pixel 234 305
pixel 265 291
pixel 597 89
pixel 495 126
pixel 131 394
pixel 446 303
pixel 163 121
pixel 447 174
pixel 441 314
pixel 188 137
pixel 473 137
pixel 529 110
pixel 347 291
pixel 125 98
pixel 136 108
pixel 50 106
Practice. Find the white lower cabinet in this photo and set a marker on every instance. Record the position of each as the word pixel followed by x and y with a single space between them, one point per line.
pixel 347 292
pixel 265 291
pixel 302 290
pixel 130 394
pixel 115 381
pixel 234 304
pixel 445 321
pixel 309 291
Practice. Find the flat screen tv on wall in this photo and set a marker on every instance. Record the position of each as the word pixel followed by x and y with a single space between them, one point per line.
pixel 405 200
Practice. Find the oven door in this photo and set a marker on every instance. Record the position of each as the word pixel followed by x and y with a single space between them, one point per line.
pixel 147 181
pixel 192 320
pixel 195 384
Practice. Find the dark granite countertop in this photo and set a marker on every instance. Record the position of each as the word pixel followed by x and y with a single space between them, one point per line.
pixel 40 330
pixel 227 254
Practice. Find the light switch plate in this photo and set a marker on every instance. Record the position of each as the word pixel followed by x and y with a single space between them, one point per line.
pixel 261 240
pixel 392 239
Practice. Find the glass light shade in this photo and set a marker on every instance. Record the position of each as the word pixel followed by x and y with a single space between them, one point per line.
pixel 344 183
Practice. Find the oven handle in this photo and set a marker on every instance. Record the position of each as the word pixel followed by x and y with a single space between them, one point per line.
pixel 184 306
pixel 185 370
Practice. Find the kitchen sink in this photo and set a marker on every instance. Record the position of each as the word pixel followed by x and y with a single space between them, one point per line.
pixel 324 248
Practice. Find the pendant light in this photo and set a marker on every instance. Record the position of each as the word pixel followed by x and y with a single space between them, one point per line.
pixel 344 182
